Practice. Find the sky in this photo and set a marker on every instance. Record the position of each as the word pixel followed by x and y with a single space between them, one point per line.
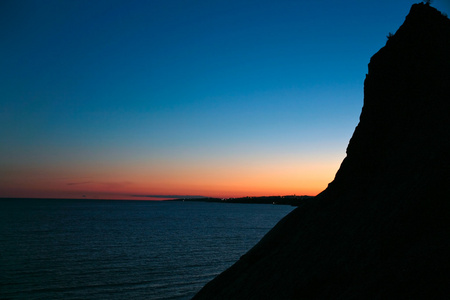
pixel 150 99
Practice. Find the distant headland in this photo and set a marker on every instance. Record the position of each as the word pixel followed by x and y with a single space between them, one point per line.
pixel 293 200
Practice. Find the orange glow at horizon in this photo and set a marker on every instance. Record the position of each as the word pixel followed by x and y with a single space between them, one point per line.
pixel 139 180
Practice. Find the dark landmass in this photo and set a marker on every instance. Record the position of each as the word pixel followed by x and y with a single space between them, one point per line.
pixel 282 200
pixel 381 229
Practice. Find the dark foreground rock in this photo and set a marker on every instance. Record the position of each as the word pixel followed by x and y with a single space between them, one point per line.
pixel 382 228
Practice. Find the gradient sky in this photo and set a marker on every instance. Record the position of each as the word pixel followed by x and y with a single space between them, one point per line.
pixel 118 99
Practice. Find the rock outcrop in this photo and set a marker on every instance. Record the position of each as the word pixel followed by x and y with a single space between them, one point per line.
pixel 382 228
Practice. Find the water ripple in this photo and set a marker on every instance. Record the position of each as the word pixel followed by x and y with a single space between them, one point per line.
pixel 67 249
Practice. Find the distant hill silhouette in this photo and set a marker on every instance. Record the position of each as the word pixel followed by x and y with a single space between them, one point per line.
pixel 281 200
pixel 382 228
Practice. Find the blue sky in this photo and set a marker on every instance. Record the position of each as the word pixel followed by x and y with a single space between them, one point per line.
pixel 155 97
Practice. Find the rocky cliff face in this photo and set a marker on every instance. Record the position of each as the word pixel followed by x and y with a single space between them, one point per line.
pixel 382 228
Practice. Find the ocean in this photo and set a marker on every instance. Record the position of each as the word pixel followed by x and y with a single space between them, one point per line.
pixel 99 249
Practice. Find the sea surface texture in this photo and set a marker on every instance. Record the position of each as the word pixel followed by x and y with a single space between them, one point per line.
pixel 95 249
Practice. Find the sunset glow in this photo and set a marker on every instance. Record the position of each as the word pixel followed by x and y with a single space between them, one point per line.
pixel 125 100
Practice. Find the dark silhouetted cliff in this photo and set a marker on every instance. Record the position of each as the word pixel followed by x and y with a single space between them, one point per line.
pixel 382 228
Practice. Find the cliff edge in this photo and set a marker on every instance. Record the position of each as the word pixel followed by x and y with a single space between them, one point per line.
pixel 382 227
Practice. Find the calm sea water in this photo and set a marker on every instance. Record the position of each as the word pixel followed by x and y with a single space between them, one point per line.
pixel 85 249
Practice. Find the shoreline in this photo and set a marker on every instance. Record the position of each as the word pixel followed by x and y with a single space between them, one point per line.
pixel 275 200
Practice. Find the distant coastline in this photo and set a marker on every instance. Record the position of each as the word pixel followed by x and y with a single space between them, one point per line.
pixel 293 200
